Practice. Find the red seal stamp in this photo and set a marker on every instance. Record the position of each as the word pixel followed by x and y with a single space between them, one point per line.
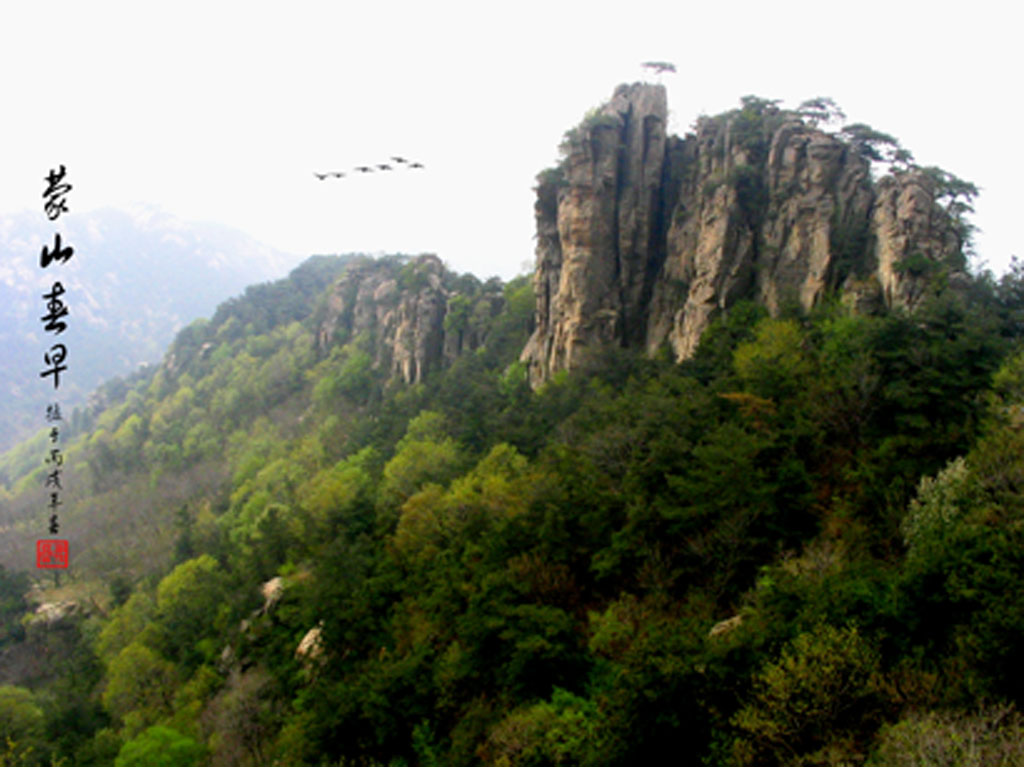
pixel 52 554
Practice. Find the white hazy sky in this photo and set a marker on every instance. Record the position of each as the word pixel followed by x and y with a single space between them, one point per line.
pixel 221 111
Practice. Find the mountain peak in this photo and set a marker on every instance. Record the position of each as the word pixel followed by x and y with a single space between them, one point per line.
pixel 643 238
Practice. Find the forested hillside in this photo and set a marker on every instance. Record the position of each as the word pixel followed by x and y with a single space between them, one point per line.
pixel 138 277
pixel 801 546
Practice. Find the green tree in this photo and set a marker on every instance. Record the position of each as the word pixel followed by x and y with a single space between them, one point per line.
pixel 562 730
pixel 870 143
pixel 498 488
pixel 991 737
pixel 774 364
pixel 935 512
pixel 139 681
pixel 814 699
pixel 956 196
pixel 132 621
pixel 648 682
pixel 820 110
pixel 21 718
pixel 187 601
pixel 160 747
pixel 423 455
pixel 13 587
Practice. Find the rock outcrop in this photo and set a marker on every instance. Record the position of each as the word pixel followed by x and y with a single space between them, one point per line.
pixel 272 591
pixel 643 238
pixel 913 235
pixel 33 657
pixel 53 615
pixel 311 646
pixel 724 627
pixel 412 315
pixel 597 227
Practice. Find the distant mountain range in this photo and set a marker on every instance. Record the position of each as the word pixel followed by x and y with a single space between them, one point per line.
pixel 137 277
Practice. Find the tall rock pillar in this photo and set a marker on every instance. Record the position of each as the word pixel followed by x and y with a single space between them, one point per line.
pixel 598 232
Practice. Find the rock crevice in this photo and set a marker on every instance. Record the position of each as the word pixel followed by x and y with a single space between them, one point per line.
pixel 643 238
pixel 409 314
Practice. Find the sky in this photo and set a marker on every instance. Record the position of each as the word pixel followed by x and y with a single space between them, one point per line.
pixel 222 111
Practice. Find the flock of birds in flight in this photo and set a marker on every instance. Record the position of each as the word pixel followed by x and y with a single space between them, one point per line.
pixel 658 67
pixel 401 161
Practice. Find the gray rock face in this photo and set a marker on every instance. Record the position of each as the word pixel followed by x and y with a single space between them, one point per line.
pixel 405 325
pixel 272 591
pixel 597 234
pixel 912 233
pixel 311 647
pixel 410 313
pixel 51 615
pixel 643 238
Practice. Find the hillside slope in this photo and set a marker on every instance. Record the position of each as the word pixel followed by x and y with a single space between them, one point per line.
pixel 137 278
pixel 337 525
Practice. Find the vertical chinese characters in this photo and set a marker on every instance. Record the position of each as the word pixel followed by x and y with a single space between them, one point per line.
pixel 55 461
pixel 55 197
pixel 55 194
pixel 54 553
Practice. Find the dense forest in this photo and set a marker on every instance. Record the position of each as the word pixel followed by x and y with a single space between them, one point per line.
pixel 802 546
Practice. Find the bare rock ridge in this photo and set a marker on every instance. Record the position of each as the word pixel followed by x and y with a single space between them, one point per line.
pixel 597 232
pixel 643 238
pixel 412 316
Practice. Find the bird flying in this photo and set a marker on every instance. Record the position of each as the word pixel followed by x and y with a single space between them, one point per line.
pixel 405 162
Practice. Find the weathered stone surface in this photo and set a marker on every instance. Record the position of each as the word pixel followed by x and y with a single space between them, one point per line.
pixel 726 626
pixel 911 233
pixel 399 309
pixel 417 331
pixel 597 232
pixel 311 647
pixel 35 659
pixel 710 254
pixel 643 239
pixel 818 190
pixel 52 615
pixel 272 592
pixel 226 659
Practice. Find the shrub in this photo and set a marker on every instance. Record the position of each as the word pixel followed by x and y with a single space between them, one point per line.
pixel 992 737
pixel 811 700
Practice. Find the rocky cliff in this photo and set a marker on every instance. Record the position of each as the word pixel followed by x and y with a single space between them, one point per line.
pixel 413 314
pixel 643 238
